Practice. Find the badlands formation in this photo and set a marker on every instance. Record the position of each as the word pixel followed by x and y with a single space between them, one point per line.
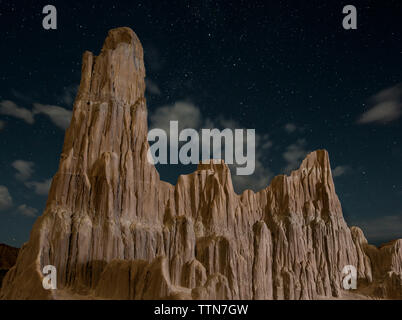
pixel 8 256
pixel 114 230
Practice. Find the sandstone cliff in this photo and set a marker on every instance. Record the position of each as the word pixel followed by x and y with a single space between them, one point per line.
pixel 114 230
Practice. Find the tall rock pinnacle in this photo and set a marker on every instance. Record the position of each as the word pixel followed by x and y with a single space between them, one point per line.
pixel 117 73
pixel 113 230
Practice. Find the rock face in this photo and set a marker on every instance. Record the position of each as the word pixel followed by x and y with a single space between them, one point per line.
pixel 386 263
pixel 114 230
pixel 8 256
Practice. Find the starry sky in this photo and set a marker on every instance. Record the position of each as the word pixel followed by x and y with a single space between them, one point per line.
pixel 288 69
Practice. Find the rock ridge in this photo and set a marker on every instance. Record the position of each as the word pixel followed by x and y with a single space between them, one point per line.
pixel 114 230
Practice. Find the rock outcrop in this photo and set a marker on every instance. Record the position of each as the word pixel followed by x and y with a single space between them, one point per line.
pixel 114 230
pixel 8 256
pixel 386 263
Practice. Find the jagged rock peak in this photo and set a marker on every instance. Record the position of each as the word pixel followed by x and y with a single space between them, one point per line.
pixel 316 158
pixel 316 168
pixel 117 73
pixel 316 163
pixel 122 35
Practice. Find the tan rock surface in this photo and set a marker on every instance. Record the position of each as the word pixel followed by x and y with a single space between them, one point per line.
pixel 114 230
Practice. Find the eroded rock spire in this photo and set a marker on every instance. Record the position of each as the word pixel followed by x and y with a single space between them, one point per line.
pixel 112 229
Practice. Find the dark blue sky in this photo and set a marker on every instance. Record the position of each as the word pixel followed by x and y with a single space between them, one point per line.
pixel 287 69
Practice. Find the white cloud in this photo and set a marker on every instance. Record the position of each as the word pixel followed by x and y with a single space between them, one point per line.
pixel 294 155
pixel 40 188
pixel 9 108
pixel 382 113
pixel 290 127
pixel 59 116
pixel 382 228
pixel 387 107
pixel 264 141
pixel 262 175
pixel 340 170
pixel 24 169
pixel 2 124
pixel 27 211
pixel 5 198
pixel 188 115
pixel 152 87
pixel 256 181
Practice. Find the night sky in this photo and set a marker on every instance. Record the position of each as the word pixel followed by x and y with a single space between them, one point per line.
pixel 287 69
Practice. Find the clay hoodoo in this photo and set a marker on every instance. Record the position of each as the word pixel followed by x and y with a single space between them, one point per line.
pixel 114 230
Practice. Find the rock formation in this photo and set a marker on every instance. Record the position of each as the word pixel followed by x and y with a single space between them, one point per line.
pixel 8 256
pixel 114 230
